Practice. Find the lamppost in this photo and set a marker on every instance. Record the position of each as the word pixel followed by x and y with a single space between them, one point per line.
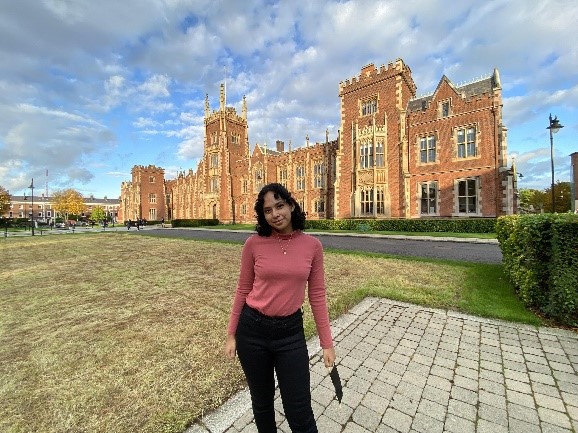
pixel 32 188
pixel 554 128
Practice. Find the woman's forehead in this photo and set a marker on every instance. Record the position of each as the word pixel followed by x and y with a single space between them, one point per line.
pixel 270 199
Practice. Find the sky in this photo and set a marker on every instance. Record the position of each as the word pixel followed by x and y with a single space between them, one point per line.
pixel 88 89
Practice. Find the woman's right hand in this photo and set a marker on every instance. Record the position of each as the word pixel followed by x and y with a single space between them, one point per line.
pixel 231 346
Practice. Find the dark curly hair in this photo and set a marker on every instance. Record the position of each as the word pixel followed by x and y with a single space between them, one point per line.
pixel 279 191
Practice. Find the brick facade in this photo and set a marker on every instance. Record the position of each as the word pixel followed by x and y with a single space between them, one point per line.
pixel 395 156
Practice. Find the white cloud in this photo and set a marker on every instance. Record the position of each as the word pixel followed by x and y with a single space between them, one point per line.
pixel 121 83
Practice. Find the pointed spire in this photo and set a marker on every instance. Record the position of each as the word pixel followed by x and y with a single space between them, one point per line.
pixel 207 105
pixel 244 109
pixel 222 98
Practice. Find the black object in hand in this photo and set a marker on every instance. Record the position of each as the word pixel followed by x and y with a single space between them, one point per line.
pixel 334 374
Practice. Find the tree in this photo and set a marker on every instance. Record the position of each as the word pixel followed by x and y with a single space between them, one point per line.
pixel 563 197
pixel 98 214
pixel 531 200
pixel 4 200
pixel 68 202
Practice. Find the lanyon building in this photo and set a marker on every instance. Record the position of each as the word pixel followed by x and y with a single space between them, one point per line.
pixel 395 156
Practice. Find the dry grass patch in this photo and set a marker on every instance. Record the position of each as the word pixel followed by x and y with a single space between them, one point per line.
pixel 123 333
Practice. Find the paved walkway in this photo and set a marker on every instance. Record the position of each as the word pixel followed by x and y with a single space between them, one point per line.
pixel 407 368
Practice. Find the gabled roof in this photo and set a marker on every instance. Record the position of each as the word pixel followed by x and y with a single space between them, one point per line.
pixel 476 87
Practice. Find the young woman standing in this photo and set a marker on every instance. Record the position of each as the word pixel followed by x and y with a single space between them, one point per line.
pixel 266 324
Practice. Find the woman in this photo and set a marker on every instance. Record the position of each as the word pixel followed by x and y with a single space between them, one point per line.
pixel 266 324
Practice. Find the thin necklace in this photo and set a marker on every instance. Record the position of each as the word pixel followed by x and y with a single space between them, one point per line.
pixel 284 249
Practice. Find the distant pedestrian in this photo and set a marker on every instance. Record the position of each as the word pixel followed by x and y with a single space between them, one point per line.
pixel 128 224
pixel 162 222
pixel 138 224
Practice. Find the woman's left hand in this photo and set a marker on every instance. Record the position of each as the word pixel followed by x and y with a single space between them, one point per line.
pixel 329 357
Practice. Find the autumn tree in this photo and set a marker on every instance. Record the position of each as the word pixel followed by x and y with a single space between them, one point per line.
pixel 97 214
pixel 4 200
pixel 68 201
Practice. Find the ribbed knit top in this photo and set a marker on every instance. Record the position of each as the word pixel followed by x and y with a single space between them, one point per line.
pixel 274 283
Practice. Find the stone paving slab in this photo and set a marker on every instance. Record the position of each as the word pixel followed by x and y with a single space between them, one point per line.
pixel 412 369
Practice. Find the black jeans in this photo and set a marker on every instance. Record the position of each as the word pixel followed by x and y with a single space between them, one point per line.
pixel 265 344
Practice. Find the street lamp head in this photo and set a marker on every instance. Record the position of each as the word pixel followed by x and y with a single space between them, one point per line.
pixel 555 125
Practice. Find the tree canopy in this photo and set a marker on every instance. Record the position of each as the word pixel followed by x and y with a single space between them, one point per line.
pixel 536 201
pixel 68 201
pixel 97 214
pixel 4 199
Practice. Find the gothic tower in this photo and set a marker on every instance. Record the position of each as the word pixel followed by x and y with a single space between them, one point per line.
pixel 226 141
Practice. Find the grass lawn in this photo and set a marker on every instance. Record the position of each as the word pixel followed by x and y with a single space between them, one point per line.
pixel 120 333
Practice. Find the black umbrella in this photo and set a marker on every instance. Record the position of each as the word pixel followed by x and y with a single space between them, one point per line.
pixel 334 374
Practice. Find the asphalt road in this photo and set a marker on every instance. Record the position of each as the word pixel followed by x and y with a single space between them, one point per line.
pixel 431 248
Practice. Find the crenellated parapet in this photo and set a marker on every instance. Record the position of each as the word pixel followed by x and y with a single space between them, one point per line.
pixel 370 75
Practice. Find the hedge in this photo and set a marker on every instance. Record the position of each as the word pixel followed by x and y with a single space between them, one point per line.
pixel 540 256
pixel 194 222
pixel 442 225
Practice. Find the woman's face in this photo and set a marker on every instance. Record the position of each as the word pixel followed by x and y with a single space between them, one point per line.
pixel 277 213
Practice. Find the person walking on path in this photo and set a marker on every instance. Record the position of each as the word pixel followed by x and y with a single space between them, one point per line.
pixel 266 322
pixel 128 224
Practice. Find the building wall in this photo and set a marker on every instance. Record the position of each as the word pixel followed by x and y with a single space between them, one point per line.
pixel 479 112
pixel 43 208
pixel 372 169
pixel 144 196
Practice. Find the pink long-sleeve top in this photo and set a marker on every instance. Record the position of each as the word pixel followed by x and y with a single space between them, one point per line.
pixel 274 283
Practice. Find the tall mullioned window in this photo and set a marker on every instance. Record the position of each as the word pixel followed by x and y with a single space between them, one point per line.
pixel 214 184
pixel 368 107
pixel 427 149
pixel 319 175
pixel 366 201
pixel 380 201
pixel 379 155
pixel 259 180
pixel 468 196
pixel 152 198
pixel 300 177
pixel 466 139
pixel 214 160
pixel 366 155
pixel 283 176
pixel 429 198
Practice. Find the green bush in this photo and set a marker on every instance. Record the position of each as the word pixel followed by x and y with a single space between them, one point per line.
pixel 540 255
pixel 447 225
pixel 562 302
pixel 194 222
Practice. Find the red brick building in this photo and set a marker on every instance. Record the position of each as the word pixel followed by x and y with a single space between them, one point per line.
pixel 396 156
